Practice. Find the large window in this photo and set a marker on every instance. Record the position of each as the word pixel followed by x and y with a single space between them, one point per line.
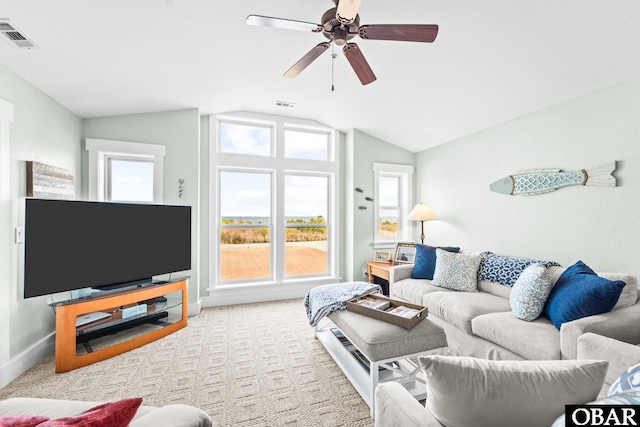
pixel 273 200
pixel 245 225
pixel 392 202
pixel 306 213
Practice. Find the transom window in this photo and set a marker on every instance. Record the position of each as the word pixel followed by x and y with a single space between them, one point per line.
pixel 274 200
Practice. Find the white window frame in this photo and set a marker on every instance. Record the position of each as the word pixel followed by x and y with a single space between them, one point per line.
pixel 405 195
pixel 281 166
pixel 101 150
pixel 6 118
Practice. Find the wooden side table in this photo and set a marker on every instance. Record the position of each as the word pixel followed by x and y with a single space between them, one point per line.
pixel 379 270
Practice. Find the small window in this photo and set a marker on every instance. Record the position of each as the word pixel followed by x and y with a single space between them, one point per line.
pixel 306 145
pixel 392 203
pixel 389 207
pixel 245 139
pixel 129 180
pixel 122 171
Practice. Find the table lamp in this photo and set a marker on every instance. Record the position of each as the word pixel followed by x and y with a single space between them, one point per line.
pixel 422 213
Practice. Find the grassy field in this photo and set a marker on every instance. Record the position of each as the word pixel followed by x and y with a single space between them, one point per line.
pixel 245 254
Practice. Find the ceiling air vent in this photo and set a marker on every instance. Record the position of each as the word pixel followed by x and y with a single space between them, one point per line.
pixel 285 104
pixel 14 36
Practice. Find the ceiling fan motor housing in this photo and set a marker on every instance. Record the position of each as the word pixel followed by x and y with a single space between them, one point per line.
pixel 337 31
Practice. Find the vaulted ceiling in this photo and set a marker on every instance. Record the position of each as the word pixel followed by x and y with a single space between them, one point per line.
pixel 493 60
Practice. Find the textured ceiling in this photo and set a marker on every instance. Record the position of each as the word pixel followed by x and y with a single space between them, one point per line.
pixel 493 60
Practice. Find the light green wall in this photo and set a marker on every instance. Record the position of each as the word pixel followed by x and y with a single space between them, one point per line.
pixel 45 132
pixel 362 151
pixel 594 224
pixel 179 131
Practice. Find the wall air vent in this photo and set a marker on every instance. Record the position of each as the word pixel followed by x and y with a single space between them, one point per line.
pixel 14 36
pixel 285 104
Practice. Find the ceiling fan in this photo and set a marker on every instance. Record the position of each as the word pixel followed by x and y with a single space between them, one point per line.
pixel 342 23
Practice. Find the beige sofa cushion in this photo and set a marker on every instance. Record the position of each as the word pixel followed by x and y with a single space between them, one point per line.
pixel 629 295
pixel 412 290
pixel 465 391
pixel 459 308
pixel 538 339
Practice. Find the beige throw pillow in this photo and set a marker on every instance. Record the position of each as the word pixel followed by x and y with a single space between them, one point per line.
pixel 465 391
pixel 457 271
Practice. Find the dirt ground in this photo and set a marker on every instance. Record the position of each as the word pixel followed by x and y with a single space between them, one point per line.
pixel 253 262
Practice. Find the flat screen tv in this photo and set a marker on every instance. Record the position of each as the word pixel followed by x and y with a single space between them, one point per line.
pixel 77 244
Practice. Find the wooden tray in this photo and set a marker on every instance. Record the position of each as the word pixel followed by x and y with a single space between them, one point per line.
pixel 404 322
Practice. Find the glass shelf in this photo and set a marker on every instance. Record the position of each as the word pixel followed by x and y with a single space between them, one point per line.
pixel 160 312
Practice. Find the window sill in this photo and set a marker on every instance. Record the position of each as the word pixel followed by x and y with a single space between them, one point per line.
pixel 386 244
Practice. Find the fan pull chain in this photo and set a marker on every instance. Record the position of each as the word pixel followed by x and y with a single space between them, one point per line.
pixel 333 59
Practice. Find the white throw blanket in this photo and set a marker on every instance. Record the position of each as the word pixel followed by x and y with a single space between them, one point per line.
pixel 322 300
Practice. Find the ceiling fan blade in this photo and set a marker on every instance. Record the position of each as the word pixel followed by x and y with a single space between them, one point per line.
pixel 289 24
pixel 306 60
pixel 347 10
pixel 359 63
pixel 400 32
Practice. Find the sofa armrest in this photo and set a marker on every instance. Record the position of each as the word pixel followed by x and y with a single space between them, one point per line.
pixel 396 407
pixel 619 324
pixel 400 272
pixel 620 355
pixel 174 416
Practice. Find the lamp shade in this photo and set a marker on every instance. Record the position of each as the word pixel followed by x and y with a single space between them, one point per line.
pixel 422 212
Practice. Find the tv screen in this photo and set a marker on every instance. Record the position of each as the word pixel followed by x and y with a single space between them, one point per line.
pixel 77 244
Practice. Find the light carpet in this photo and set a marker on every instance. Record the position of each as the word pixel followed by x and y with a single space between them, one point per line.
pixel 245 365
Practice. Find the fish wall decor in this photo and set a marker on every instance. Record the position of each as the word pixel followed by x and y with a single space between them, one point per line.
pixel 539 181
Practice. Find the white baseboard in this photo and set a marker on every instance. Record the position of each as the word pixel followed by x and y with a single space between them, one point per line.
pixel 25 360
pixel 259 293
pixel 194 308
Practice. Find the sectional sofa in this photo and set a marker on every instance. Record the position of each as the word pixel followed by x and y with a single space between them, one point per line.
pixel 482 324
pixel 395 406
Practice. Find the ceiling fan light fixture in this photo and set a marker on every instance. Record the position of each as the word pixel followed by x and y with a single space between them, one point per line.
pixel 347 10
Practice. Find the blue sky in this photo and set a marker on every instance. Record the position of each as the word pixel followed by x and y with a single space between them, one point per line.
pixel 249 194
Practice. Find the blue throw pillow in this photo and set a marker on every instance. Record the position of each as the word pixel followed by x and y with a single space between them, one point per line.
pixel 425 263
pixel 580 292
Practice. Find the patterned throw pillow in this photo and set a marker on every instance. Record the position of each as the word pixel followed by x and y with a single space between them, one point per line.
pixel 530 292
pixel 628 381
pixel 506 269
pixel 456 271
pixel 426 260
pixel 626 398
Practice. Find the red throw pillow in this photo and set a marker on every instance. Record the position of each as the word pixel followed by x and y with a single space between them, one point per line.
pixel 22 420
pixel 116 414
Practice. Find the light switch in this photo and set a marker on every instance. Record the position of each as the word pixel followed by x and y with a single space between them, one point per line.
pixel 19 235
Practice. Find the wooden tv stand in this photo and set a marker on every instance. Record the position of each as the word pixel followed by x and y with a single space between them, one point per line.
pixel 168 315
